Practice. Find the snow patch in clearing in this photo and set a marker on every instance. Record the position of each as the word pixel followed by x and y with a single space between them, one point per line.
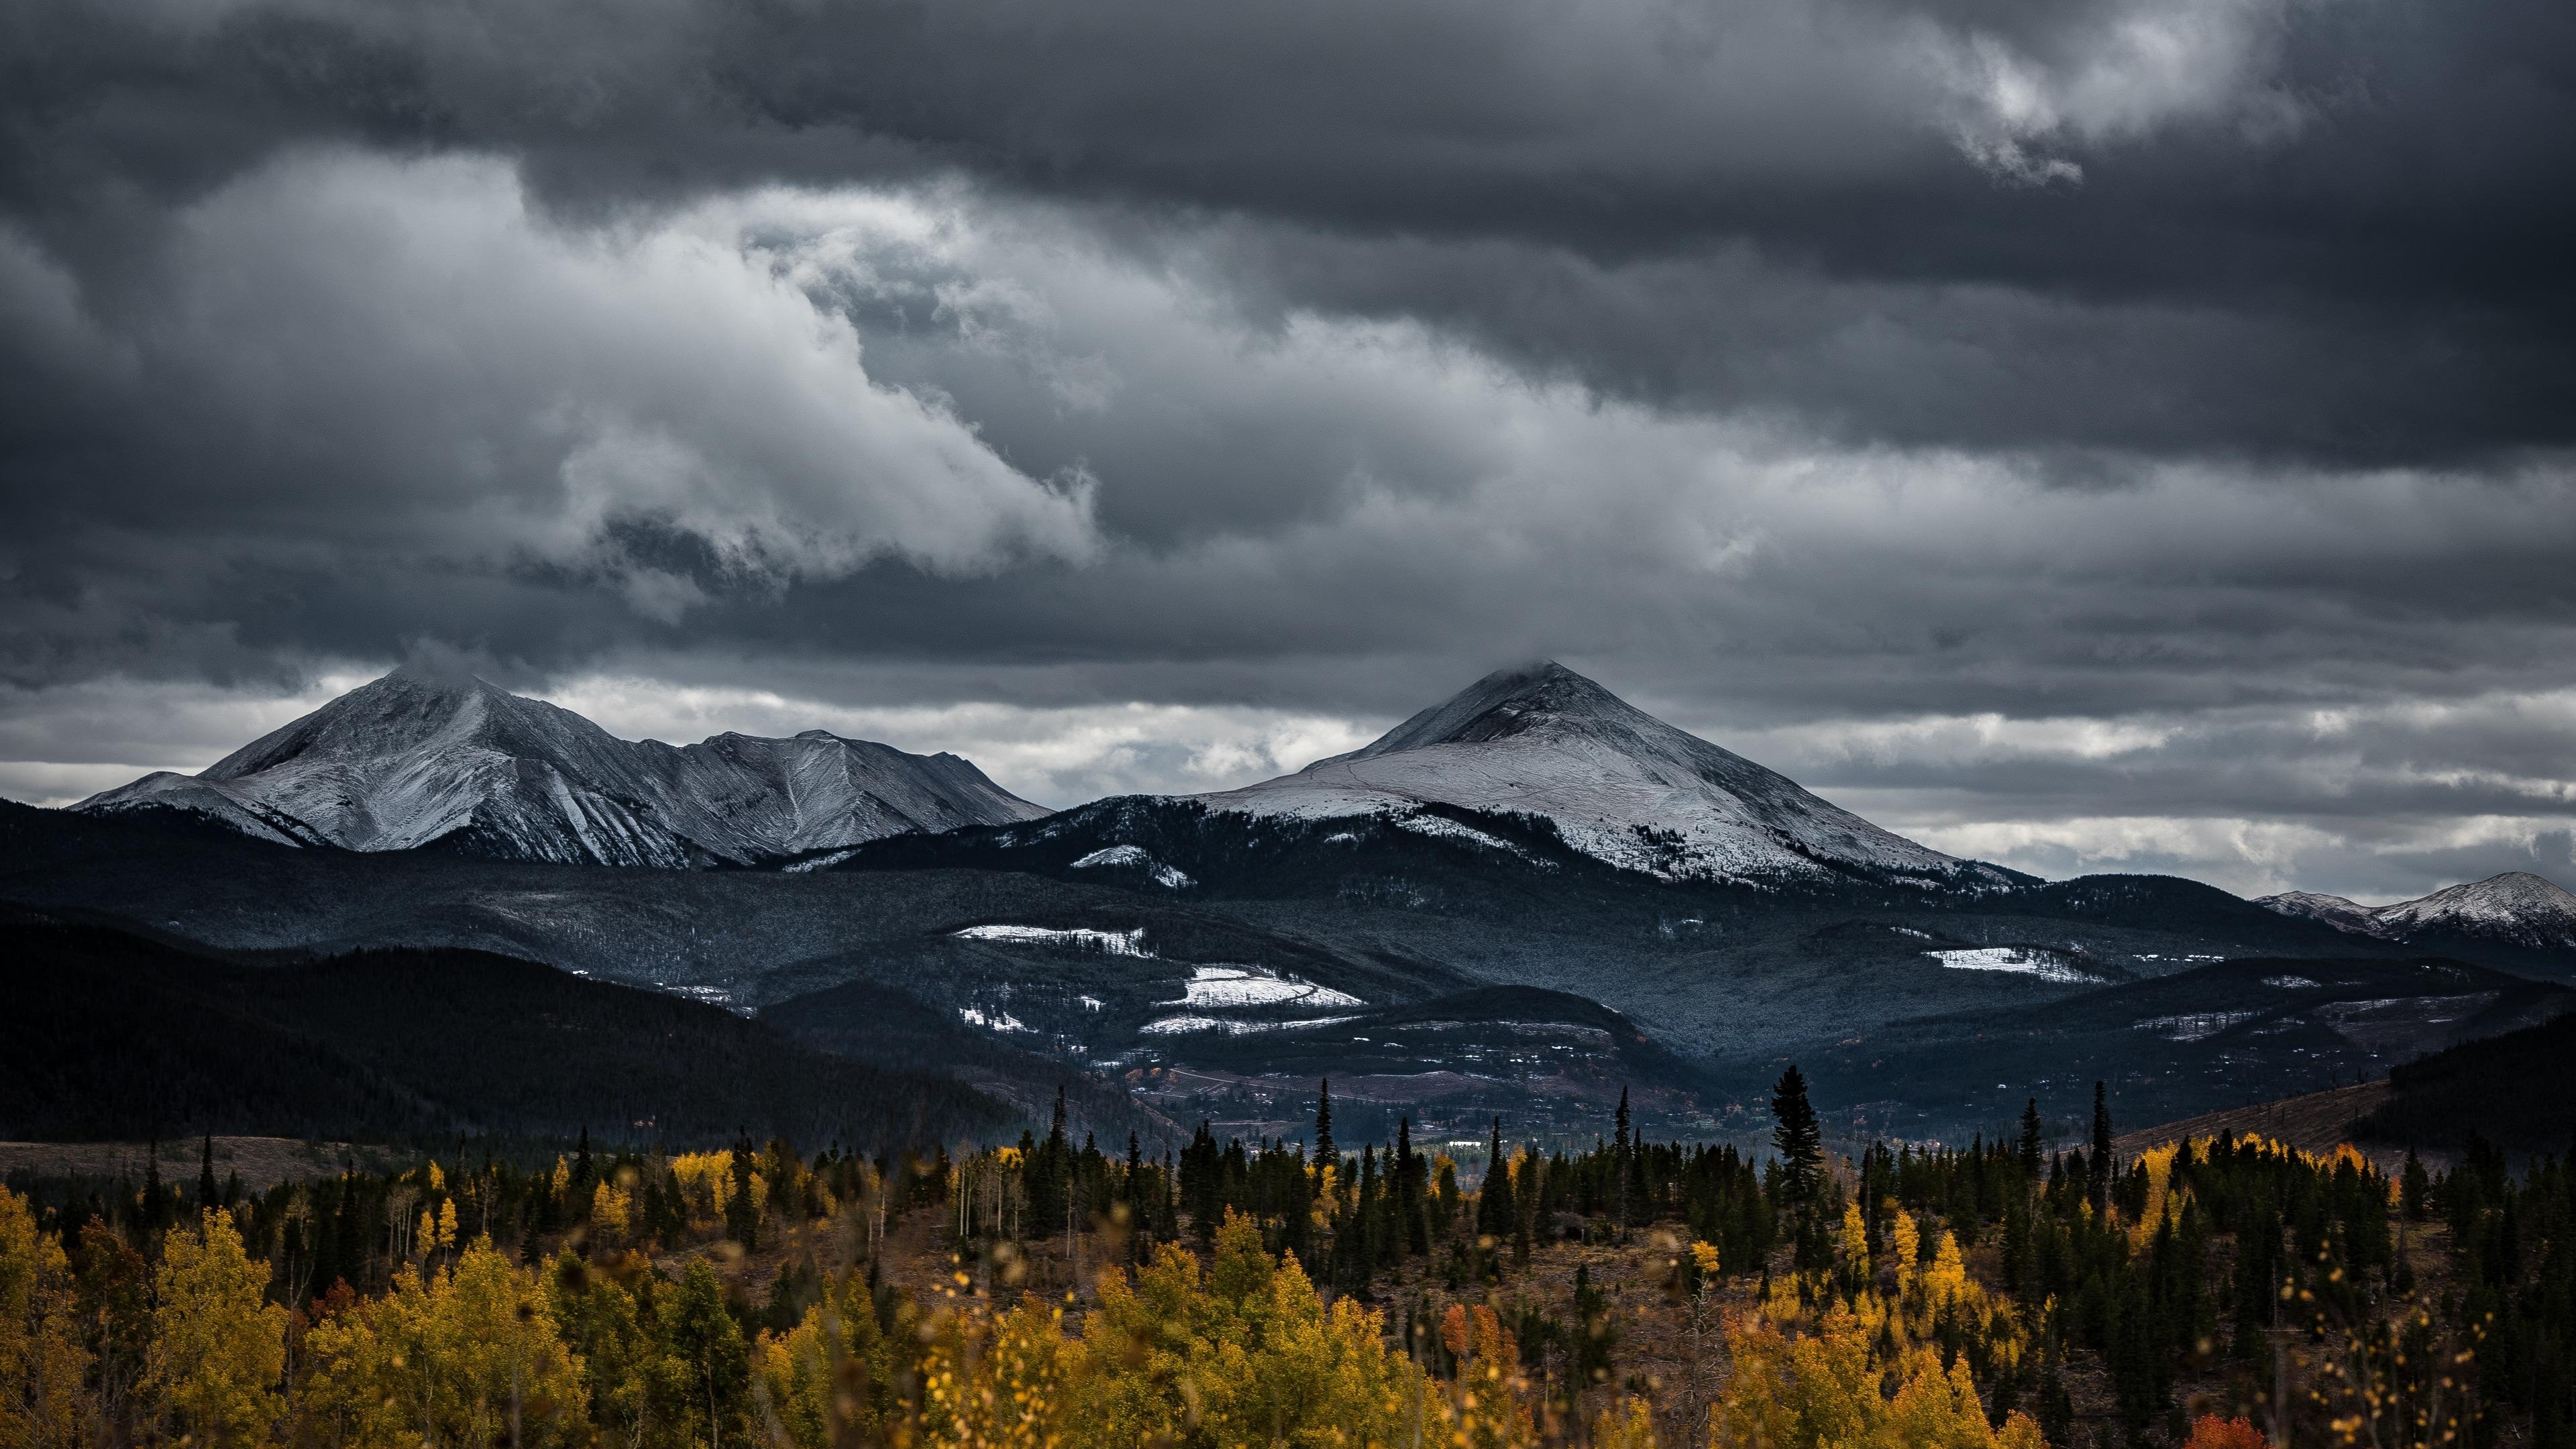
pixel 998 1021
pixel 1081 938
pixel 2195 1026
pixel 1223 986
pixel 2290 983
pixel 1442 828
pixel 1231 1026
pixel 2015 960
pixel 1136 858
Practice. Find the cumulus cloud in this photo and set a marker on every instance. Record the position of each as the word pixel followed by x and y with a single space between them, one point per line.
pixel 400 353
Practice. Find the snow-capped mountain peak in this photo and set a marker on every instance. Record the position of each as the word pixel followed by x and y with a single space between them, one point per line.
pixel 2517 906
pixel 2335 911
pixel 425 758
pixel 1618 783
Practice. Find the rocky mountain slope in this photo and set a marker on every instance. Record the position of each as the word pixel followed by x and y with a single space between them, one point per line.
pixel 1617 784
pixel 417 760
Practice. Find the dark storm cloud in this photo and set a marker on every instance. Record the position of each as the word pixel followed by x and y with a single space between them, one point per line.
pixel 1849 380
pixel 1751 203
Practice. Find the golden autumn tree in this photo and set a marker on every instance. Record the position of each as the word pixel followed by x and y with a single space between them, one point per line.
pixel 825 1382
pixel 1243 1352
pixel 44 1400
pixel 217 1348
pixel 1823 1388
pixel 469 1356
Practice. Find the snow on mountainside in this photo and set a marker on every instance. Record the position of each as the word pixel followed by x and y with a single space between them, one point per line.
pixel 2335 911
pixel 415 759
pixel 2519 907
pixel 1618 783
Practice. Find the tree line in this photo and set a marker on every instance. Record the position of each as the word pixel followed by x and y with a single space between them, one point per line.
pixel 1296 1293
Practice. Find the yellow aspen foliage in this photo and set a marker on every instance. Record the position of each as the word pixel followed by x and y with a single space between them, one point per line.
pixel 996 1383
pixel 44 1403
pixel 1855 1239
pixel 1629 1425
pixel 469 1356
pixel 563 1175
pixel 509 1378
pixel 611 1211
pixel 706 1183
pixel 366 1375
pixel 2161 1199
pixel 1908 1242
pixel 447 1223
pixel 802 1375
pixel 1824 1389
pixel 217 1349
pixel 1704 1258
pixel 1245 1352
pixel 1946 1282
pixel 425 1234
pixel 437 1179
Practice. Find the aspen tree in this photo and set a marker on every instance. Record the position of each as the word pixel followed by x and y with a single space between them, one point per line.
pixel 217 1349
pixel 44 1403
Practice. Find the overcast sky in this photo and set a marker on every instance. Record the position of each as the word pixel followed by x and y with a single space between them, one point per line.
pixel 2085 434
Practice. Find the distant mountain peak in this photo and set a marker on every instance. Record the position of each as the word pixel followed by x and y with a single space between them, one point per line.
pixel 429 755
pixel 2335 911
pixel 2516 906
pixel 1618 783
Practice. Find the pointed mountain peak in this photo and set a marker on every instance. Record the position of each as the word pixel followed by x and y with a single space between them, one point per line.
pixel 433 676
pixel 1542 694
pixel 1619 784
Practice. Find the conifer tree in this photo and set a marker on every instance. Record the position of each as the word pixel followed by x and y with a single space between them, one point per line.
pixel 1621 1150
pixel 2101 1178
pixel 206 1190
pixel 1797 1136
pixel 2030 1143
pixel 1409 1192
pixel 1494 1199
pixel 1326 1155
pixel 742 1214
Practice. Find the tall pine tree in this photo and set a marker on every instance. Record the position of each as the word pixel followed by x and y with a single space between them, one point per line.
pixel 2101 1178
pixel 1797 1136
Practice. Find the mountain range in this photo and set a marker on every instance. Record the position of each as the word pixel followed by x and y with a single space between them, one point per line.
pixel 422 761
pixel 1517 902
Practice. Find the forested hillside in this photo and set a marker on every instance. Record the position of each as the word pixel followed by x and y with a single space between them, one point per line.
pixel 109 1035
pixel 2517 1090
pixel 2219 1294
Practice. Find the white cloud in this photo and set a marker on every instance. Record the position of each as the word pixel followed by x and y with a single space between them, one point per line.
pixel 2116 73
pixel 503 387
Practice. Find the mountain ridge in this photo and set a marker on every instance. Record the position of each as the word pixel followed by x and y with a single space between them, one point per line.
pixel 415 760
pixel 2517 907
